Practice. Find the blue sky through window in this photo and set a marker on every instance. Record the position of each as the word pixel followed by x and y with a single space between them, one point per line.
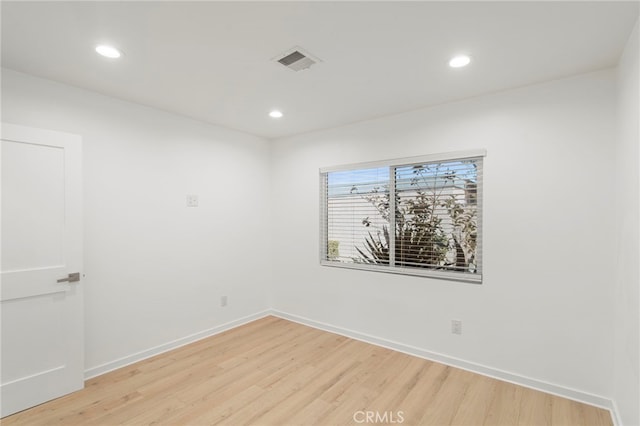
pixel 363 180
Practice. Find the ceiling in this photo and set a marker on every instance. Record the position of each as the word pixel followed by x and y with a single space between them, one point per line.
pixel 213 61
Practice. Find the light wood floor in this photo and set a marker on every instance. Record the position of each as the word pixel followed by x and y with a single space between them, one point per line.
pixel 275 372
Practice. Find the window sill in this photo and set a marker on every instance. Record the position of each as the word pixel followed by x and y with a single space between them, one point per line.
pixel 451 276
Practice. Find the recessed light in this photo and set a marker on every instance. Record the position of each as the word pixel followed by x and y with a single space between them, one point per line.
pixel 459 61
pixel 275 114
pixel 108 51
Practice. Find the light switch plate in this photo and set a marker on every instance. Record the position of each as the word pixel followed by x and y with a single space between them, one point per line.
pixel 192 200
pixel 456 326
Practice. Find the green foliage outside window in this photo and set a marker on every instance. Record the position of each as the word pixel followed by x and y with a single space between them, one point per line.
pixel 333 249
pixel 422 239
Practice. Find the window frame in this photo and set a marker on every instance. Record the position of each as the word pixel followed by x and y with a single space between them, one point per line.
pixel 392 164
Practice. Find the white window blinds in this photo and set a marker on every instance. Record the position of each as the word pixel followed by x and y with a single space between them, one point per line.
pixel 417 216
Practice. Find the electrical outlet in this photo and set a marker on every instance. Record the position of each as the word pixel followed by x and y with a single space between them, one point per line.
pixel 192 200
pixel 456 326
pixel 223 301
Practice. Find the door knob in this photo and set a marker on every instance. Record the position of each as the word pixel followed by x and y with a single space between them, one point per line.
pixel 71 278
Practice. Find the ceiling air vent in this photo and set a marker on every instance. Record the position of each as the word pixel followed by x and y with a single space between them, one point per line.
pixel 297 59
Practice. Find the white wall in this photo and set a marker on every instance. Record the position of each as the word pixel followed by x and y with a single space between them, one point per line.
pixel 155 268
pixel 626 378
pixel 545 308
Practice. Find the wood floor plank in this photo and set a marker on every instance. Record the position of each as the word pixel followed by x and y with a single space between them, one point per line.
pixel 446 403
pixel 309 415
pixel 371 358
pixel 276 372
pixel 311 390
pixel 535 408
pixel 475 403
pixel 425 387
pixel 505 405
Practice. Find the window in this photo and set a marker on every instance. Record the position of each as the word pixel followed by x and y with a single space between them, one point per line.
pixel 416 216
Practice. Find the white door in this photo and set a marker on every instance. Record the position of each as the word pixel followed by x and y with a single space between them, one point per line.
pixel 41 305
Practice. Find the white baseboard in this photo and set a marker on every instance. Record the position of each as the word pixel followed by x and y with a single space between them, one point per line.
pixel 615 414
pixel 506 376
pixel 148 353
